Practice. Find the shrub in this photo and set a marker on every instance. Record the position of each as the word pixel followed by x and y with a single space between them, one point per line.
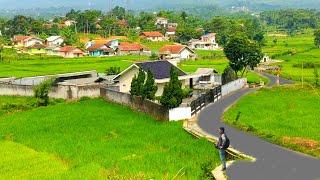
pixel 149 88
pixel 153 56
pixel 113 71
pixel 187 92
pixel 137 84
pixel 228 75
pixel 41 92
pixel 172 93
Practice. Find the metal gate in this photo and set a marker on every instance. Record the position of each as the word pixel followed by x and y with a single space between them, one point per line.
pixel 205 99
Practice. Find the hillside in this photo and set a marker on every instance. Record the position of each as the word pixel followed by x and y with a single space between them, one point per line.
pixel 144 4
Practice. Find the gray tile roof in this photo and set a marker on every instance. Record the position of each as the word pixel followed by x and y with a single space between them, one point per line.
pixel 160 69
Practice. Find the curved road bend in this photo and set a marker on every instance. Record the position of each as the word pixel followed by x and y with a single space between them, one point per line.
pixel 273 162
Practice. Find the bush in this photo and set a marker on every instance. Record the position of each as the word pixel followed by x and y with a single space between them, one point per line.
pixel 172 93
pixel 228 75
pixel 113 71
pixel 41 92
pixel 187 92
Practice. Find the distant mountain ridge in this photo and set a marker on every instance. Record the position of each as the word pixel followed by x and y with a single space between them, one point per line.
pixel 145 4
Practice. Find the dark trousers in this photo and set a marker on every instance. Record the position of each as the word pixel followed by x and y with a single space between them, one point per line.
pixel 222 154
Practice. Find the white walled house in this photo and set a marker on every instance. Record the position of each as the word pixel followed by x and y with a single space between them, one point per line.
pixel 179 52
pixel 207 42
pixel 26 41
pixel 160 70
pixel 161 22
pixel 54 41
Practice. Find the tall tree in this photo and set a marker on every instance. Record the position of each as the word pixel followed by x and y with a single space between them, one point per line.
pixel 150 88
pixel 137 84
pixel 172 93
pixel 242 53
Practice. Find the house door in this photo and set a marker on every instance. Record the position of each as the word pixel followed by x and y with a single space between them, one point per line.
pixel 191 83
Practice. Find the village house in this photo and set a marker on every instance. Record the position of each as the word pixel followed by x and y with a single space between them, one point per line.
pixel 68 23
pixel 54 41
pixel 161 22
pixel 70 52
pixel 153 36
pixel 98 49
pixel 132 48
pixel 37 49
pixel 207 42
pixel 203 79
pixel 179 52
pixel 171 32
pixel 26 41
pixel 160 70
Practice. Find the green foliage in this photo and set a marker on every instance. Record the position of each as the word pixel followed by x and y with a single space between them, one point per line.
pixel 60 141
pixel 291 20
pixel 149 88
pixel 113 70
pixel 227 27
pixel 316 77
pixel 317 38
pixel 153 56
pixel 187 92
pixel 70 36
pixel 41 92
pixel 172 93
pixel 242 53
pixel 137 84
pixel 228 75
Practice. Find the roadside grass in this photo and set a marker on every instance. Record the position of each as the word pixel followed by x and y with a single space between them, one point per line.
pixel 96 139
pixel 286 115
pixel 37 67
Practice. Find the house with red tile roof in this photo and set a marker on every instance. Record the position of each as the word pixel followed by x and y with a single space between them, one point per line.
pixel 26 41
pixel 100 49
pixel 132 48
pixel 70 52
pixel 153 36
pixel 178 52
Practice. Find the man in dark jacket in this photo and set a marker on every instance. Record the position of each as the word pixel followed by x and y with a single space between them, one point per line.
pixel 222 146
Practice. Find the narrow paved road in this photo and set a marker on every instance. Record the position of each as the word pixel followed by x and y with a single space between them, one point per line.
pixel 273 162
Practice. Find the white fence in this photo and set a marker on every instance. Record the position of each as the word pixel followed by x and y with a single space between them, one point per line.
pixel 233 86
pixel 180 113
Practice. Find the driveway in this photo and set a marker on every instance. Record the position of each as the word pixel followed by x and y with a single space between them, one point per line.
pixel 273 162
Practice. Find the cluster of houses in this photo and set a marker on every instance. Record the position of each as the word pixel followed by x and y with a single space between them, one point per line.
pixel 52 45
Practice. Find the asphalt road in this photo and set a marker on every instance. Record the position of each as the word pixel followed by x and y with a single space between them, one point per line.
pixel 273 162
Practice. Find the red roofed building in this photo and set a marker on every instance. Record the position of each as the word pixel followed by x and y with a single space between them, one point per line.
pixel 153 36
pixel 176 52
pixel 132 48
pixel 70 52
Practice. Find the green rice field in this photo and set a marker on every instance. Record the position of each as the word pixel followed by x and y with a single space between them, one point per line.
pixel 287 115
pixel 94 139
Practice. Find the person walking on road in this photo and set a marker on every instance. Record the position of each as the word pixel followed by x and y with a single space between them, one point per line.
pixel 222 146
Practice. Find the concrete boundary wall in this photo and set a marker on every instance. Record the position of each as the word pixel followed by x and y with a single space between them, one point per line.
pixel 155 110
pixel 233 86
pixel 62 91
